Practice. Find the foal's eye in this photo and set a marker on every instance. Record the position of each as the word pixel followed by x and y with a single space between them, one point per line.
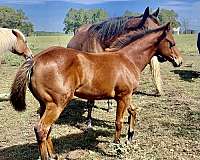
pixel 171 44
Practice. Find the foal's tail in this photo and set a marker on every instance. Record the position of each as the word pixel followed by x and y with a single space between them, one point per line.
pixel 18 89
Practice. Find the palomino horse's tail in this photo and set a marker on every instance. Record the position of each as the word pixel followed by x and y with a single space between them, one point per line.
pixel 18 89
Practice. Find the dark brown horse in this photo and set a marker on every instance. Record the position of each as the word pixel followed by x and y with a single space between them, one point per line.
pixel 58 74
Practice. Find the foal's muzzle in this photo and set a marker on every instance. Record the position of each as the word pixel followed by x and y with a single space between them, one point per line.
pixel 177 62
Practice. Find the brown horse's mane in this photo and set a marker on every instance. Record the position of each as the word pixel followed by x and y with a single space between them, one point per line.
pixel 110 27
pixel 115 26
pixel 120 43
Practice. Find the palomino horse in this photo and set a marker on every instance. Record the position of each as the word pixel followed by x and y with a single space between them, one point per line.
pixel 14 41
pixel 99 36
pixel 57 74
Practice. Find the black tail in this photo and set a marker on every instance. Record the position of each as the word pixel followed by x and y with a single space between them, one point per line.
pixel 18 89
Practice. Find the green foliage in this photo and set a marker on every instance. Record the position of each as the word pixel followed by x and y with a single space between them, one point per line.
pixel 129 13
pixel 11 18
pixel 169 16
pixel 75 18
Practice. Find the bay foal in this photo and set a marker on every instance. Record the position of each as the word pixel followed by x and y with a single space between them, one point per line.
pixel 57 74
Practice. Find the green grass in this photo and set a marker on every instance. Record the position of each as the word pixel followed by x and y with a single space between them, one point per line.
pixel 185 43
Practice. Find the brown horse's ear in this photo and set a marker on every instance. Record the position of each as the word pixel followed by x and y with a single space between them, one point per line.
pixel 155 14
pixel 15 33
pixel 144 17
pixel 146 13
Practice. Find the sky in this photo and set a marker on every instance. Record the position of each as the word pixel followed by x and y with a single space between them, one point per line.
pixel 48 15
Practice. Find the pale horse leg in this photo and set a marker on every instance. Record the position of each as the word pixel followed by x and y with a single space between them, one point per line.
pixel 155 71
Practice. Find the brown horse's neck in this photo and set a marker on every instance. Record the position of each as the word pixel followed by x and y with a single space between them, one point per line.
pixel 142 50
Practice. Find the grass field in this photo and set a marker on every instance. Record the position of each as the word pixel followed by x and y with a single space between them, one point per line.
pixel 167 127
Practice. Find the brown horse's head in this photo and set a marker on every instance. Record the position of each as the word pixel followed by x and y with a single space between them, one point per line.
pixel 167 47
pixel 20 47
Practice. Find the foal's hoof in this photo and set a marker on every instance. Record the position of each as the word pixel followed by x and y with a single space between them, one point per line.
pixel 159 93
pixel 117 141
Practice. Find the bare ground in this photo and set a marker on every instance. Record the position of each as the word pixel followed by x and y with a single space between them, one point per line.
pixel 167 127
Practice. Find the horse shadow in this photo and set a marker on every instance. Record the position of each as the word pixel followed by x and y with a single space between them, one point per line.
pixel 142 93
pixel 73 115
pixel 187 75
pixel 63 145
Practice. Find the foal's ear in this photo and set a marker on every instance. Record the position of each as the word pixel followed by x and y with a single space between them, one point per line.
pixel 167 27
pixel 155 14
pixel 15 32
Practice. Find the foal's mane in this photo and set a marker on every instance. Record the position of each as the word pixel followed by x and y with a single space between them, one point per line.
pixel 133 37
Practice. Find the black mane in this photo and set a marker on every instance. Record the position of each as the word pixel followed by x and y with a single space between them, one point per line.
pixel 115 26
pixel 120 43
pixel 108 28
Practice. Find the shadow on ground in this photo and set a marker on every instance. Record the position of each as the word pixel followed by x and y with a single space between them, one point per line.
pixel 86 141
pixel 73 115
pixel 187 75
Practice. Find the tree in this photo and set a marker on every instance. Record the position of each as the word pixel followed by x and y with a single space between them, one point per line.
pixel 75 18
pixel 169 16
pixel 11 18
pixel 129 13
pixel 185 25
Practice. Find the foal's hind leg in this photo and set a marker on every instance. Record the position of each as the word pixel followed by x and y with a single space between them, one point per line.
pixel 49 143
pixel 155 71
pixel 43 128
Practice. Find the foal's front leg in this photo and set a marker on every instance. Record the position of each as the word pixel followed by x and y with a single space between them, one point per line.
pixel 132 121
pixel 90 105
pixel 122 104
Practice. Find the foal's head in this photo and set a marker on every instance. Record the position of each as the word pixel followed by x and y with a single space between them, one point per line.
pixel 167 47
pixel 20 47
